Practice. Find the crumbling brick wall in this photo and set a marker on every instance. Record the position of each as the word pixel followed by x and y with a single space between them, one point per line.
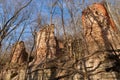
pixel 45 44
pixel 100 36
pixel 19 54
pixel 15 70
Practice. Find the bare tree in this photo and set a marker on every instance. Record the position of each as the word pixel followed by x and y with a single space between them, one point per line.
pixel 12 17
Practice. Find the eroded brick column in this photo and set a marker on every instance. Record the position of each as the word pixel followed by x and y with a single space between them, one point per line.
pixel 45 44
pixel 99 32
pixel 19 53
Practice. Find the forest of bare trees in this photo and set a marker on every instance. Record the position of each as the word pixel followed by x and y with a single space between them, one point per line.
pixel 59 40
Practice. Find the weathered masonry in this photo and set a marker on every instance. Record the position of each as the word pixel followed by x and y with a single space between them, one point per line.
pixel 102 40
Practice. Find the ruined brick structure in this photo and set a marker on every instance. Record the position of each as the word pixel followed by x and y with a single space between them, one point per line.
pixel 100 38
pixel 19 54
pixel 15 70
pixel 45 44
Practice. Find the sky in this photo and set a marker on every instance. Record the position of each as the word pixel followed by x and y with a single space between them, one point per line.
pixel 42 8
